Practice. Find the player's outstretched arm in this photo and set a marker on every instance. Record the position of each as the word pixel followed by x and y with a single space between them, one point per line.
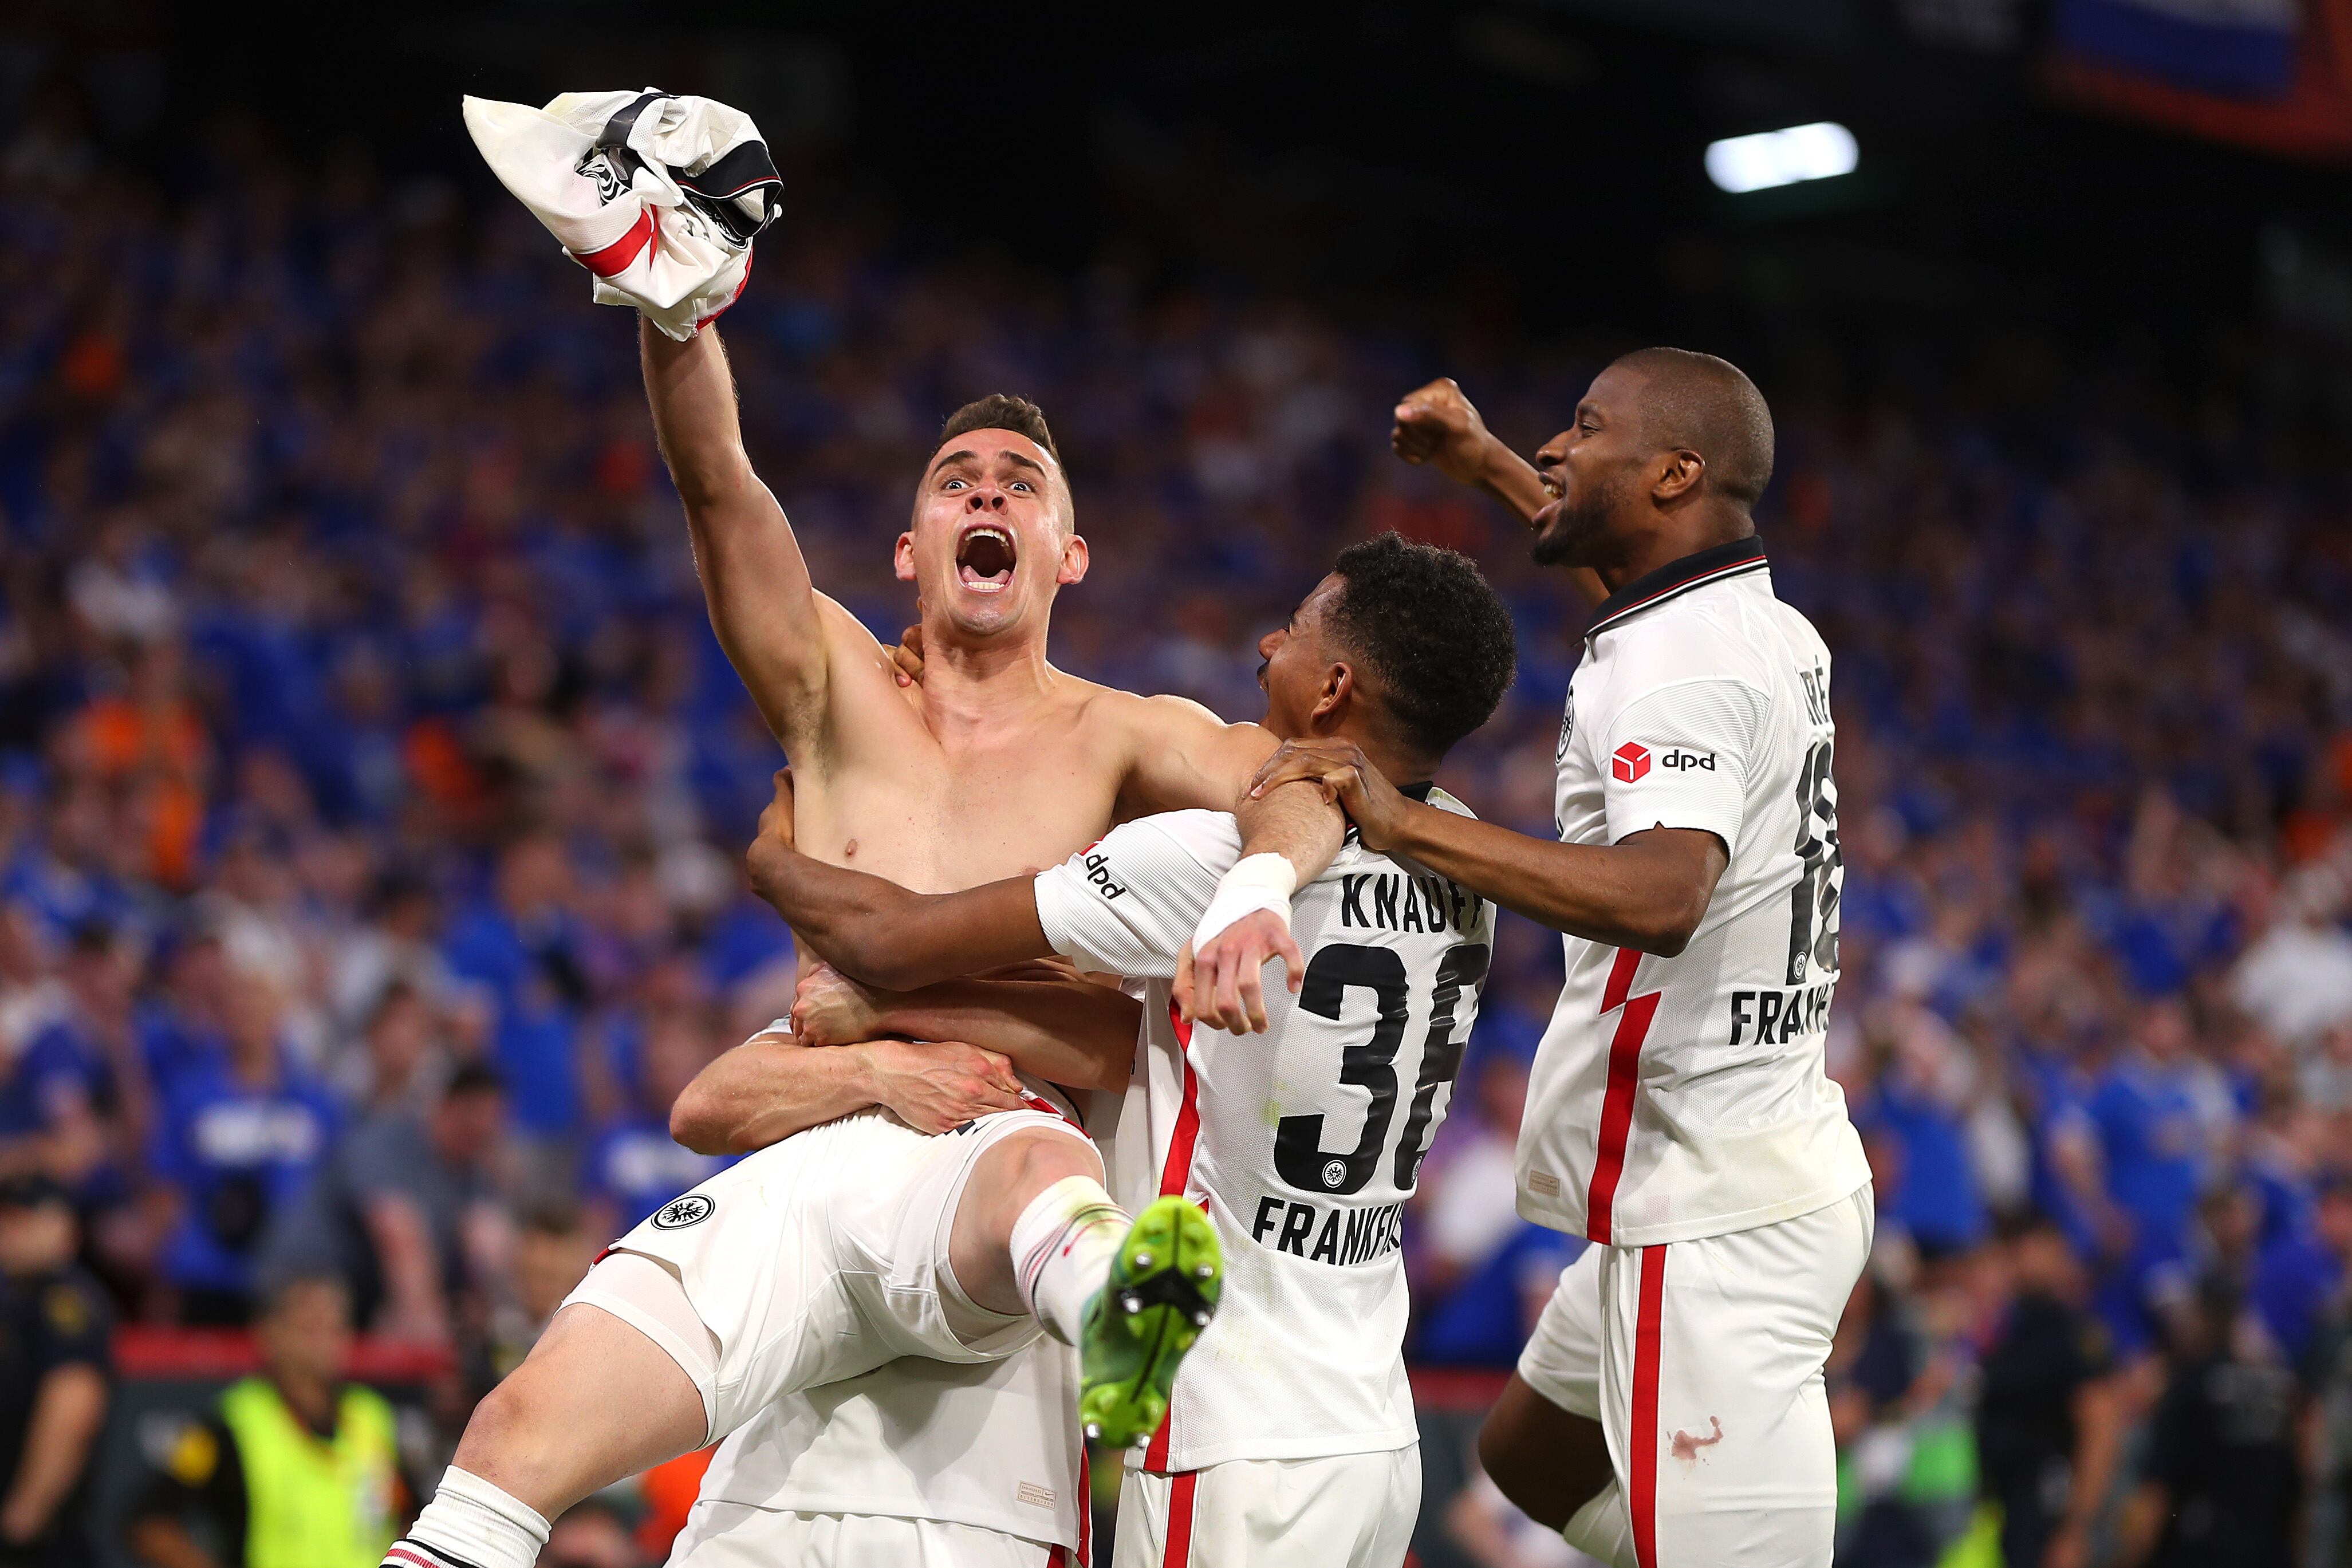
pixel 878 931
pixel 774 1085
pixel 762 604
pixel 1647 892
pixel 1045 1017
pixel 1438 426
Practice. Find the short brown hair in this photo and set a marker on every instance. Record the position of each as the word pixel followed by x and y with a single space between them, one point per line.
pixel 1001 411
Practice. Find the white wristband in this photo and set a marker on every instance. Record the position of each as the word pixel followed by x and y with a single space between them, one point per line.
pixel 1256 883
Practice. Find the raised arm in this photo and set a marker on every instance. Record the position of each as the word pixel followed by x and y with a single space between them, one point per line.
pixel 1436 425
pixel 762 605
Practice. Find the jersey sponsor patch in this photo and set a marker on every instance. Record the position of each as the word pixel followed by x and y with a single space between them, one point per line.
pixel 679 1213
pixel 1630 764
pixel 1098 876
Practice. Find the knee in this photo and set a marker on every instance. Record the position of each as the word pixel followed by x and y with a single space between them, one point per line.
pixel 1036 1159
pixel 498 1421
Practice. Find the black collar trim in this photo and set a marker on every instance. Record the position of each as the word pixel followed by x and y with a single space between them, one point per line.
pixel 1419 791
pixel 1732 558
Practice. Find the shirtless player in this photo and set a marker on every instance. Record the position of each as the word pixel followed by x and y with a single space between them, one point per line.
pixel 994 765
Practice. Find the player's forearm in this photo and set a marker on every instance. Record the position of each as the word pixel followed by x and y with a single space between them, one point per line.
pixel 847 917
pixel 1642 894
pixel 692 395
pixel 768 1089
pixel 754 581
pixel 1294 822
pixel 1512 481
pixel 874 930
pixel 1066 1030
pixel 68 1411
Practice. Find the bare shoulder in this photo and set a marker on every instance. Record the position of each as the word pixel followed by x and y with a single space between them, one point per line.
pixel 1165 721
pixel 1172 752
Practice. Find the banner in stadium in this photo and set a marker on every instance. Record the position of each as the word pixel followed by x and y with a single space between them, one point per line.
pixel 2271 74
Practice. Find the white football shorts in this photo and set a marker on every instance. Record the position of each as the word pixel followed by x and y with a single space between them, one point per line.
pixel 1345 1511
pixel 737 1535
pixel 814 1259
pixel 1701 1361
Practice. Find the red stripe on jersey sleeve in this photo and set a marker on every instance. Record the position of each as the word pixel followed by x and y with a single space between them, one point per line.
pixel 1648 1319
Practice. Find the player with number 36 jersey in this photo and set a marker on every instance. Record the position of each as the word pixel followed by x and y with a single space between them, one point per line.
pixel 1304 1143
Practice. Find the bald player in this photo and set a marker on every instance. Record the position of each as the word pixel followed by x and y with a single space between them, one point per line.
pixel 1669 1409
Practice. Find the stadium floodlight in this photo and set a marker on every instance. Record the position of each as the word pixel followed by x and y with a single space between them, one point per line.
pixel 1817 152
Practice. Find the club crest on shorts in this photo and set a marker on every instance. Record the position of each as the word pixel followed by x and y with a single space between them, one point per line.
pixel 679 1213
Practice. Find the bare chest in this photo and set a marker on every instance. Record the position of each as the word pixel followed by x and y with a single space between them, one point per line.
pixel 938 819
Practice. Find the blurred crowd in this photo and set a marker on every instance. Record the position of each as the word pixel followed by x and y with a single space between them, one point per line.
pixel 372 792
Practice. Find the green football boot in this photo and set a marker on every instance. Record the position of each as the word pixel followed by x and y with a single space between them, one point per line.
pixel 1162 1292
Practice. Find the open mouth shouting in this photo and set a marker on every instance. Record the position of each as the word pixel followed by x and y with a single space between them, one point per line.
pixel 985 554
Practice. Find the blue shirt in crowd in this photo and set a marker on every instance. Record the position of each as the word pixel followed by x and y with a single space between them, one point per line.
pixel 238 1155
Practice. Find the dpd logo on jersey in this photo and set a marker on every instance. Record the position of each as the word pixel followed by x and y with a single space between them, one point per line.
pixel 1630 762
pixel 677 1215
pixel 1687 760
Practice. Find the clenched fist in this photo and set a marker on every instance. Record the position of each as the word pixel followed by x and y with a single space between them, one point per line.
pixel 1437 426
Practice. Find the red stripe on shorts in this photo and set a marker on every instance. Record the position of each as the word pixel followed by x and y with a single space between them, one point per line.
pixel 1173 1178
pixel 1643 1440
pixel 615 259
pixel 1617 1102
pixel 1180 1521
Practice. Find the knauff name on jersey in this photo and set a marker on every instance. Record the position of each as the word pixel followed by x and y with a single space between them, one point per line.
pixel 1389 901
pixel 1321 1233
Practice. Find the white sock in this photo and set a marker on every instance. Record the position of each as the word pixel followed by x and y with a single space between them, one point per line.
pixel 1602 1529
pixel 470 1523
pixel 1062 1247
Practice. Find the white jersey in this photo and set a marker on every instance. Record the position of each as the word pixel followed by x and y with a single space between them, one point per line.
pixel 1302 1143
pixel 1685 1097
